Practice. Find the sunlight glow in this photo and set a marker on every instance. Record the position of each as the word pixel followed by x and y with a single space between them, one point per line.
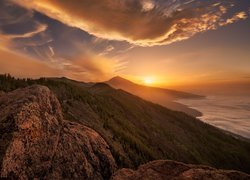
pixel 148 80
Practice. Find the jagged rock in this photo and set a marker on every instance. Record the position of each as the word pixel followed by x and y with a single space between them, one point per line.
pixel 36 142
pixel 163 169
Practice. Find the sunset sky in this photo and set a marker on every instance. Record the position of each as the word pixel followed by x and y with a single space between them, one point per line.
pixel 158 42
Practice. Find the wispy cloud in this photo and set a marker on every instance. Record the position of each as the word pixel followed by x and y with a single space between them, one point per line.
pixel 85 68
pixel 145 23
pixel 92 67
pixel 25 66
pixel 38 29
pixel 96 39
pixel 53 46
pixel 236 17
pixel 147 5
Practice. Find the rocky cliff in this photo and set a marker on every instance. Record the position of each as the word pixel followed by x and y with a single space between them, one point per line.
pixel 162 170
pixel 35 140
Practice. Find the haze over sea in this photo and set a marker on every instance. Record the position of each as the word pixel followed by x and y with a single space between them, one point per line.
pixel 230 113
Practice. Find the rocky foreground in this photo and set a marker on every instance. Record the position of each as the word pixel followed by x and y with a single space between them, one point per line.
pixel 163 169
pixel 36 142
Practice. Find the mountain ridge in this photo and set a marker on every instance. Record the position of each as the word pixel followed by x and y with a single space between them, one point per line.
pixel 139 131
pixel 36 142
pixel 164 97
pixel 119 79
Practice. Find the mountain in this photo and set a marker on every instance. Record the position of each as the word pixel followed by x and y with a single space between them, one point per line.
pixel 36 142
pixel 119 82
pixel 164 97
pixel 138 131
pixel 162 170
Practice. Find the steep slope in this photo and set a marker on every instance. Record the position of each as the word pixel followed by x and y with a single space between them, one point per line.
pixel 162 170
pixel 139 131
pixel 160 96
pixel 35 141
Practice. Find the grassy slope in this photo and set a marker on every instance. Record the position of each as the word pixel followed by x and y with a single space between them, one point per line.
pixel 139 131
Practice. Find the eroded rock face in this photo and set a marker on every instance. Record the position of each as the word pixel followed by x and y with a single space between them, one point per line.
pixel 163 169
pixel 35 141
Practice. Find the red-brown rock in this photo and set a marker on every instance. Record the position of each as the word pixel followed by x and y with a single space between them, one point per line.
pixel 36 142
pixel 164 170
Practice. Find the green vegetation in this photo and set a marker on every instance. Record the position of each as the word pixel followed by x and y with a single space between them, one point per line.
pixel 139 131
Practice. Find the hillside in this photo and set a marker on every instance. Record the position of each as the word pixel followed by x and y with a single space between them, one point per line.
pixel 139 131
pixel 36 142
pixel 164 97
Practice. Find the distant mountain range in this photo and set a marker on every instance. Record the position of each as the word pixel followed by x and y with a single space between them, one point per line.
pixel 137 131
pixel 165 97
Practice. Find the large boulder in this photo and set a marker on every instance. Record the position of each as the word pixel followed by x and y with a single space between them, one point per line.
pixel 163 169
pixel 36 142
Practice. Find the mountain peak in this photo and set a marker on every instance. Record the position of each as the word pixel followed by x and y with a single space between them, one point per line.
pixel 118 78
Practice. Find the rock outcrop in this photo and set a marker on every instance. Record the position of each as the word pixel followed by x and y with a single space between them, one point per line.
pixel 2 93
pixel 36 142
pixel 163 169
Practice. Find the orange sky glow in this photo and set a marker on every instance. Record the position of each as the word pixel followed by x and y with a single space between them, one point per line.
pixel 180 44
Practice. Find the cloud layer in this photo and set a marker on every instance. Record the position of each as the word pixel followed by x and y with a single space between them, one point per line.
pixel 24 66
pixel 89 69
pixel 50 43
pixel 145 22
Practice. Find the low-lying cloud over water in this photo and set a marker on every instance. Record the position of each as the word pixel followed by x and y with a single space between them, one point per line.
pixel 231 113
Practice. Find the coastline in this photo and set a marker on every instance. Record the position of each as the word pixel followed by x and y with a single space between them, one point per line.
pixel 230 114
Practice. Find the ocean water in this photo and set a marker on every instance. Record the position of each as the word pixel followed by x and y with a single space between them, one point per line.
pixel 231 113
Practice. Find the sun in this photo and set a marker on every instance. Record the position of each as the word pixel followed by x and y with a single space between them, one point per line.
pixel 148 80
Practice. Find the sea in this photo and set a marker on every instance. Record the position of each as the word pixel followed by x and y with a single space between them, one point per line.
pixel 230 113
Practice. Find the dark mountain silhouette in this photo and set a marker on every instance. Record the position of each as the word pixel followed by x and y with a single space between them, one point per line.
pixel 138 131
pixel 165 97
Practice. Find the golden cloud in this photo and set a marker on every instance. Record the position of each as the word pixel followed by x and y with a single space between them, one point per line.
pixel 91 68
pixel 138 22
pixel 23 66
pixel 238 16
